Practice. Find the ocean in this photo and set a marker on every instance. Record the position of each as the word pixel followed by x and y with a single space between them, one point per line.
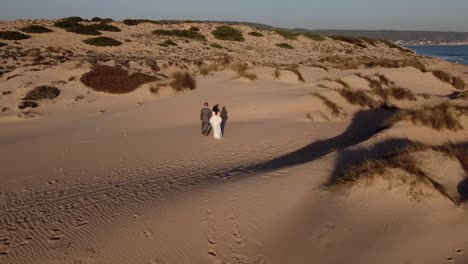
pixel 451 53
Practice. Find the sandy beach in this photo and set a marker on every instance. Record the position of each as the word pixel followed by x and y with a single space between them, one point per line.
pixel 361 160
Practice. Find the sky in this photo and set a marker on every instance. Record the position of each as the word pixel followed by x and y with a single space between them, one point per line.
pixel 436 15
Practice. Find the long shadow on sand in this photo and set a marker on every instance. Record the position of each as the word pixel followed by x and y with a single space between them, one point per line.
pixel 364 125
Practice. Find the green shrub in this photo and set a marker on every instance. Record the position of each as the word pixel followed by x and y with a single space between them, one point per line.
pixel 190 34
pixel 228 33
pixel 355 41
pixel 285 46
pixel 255 34
pixel 13 35
pixel 216 45
pixel 105 27
pixel 42 92
pixel 102 41
pixel 287 34
pixel 36 29
pixel 313 36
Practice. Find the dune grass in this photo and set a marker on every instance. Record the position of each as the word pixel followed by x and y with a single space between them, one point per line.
pixel 216 46
pixel 182 81
pixel 313 36
pixel 354 41
pixel 36 29
pixel 114 80
pixel 241 70
pixel 329 104
pixel 167 43
pixel 284 46
pixel 13 35
pixel 102 42
pixel 287 34
pixel 295 69
pixel 392 45
pixel 255 34
pixel 346 63
pixel 358 97
pixel 439 117
pixel 188 34
pixel 205 70
pixel 228 33
pixel 456 81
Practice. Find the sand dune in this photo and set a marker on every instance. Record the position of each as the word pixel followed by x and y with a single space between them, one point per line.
pixel 93 177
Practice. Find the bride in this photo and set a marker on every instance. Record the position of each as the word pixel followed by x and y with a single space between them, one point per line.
pixel 215 122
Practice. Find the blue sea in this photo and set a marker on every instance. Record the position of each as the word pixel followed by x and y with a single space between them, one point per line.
pixel 451 53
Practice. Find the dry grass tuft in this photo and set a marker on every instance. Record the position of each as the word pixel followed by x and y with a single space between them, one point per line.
pixel 329 104
pixel 358 97
pixel 114 80
pixel 277 73
pixel 402 93
pixel 183 81
pixel 295 70
pixel 206 70
pixel 458 83
pixel 440 117
pixel 241 70
pixel 343 83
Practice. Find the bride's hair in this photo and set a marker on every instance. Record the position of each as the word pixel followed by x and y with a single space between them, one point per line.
pixel 216 111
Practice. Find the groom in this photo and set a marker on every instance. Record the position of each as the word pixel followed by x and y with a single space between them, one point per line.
pixel 205 116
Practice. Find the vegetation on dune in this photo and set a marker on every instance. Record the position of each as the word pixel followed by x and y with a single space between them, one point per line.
pixel 194 29
pixel 241 70
pixel 2 44
pixel 205 70
pixel 255 34
pixel 228 33
pixel 102 20
pixel 440 117
pixel 135 22
pixel 216 46
pixel 295 69
pixel 414 177
pixel 395 46
pixel 114 80
pixel 284 46
pixel 351 40
pixel 190 34
pixel 455 81
pixel 28 104
pixel 13 35
pixel 329 104
pixel 287 34
pixel 42 92
pixel 369 41
pixel 36 29
pixel 73 25
pixel 102 42
pixel 313 36
pixel 183 81
pixel 167 43
pixel 358 97
pixel 344 63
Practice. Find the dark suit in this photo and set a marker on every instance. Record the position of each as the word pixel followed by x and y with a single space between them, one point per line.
pixel 205 115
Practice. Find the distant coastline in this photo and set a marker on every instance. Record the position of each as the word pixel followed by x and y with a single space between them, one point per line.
pixel 437 44
pixel 450 52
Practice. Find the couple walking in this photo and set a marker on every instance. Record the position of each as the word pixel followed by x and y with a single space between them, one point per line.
pixel 213 119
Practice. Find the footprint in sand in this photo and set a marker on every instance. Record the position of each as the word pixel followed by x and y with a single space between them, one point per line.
pixel 156 261
pixel 450 260
pixel 459 251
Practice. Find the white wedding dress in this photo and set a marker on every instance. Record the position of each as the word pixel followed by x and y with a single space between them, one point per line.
pixel 215 122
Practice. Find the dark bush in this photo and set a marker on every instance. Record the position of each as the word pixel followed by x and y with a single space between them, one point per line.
pixel 102 42
pixel 114 80
pixel 2 44
pixel 182 81
pixel 228 33
pixel 105 27
pixel 255 34
pixel 285 46
pixel 28 104
pixel 313 36
pixel 42 92
pixel 370 41
pixel 36 29
pixel 287 34
pixel 190 34
pixel 194 29
pixel 135 22
pixel 13 35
